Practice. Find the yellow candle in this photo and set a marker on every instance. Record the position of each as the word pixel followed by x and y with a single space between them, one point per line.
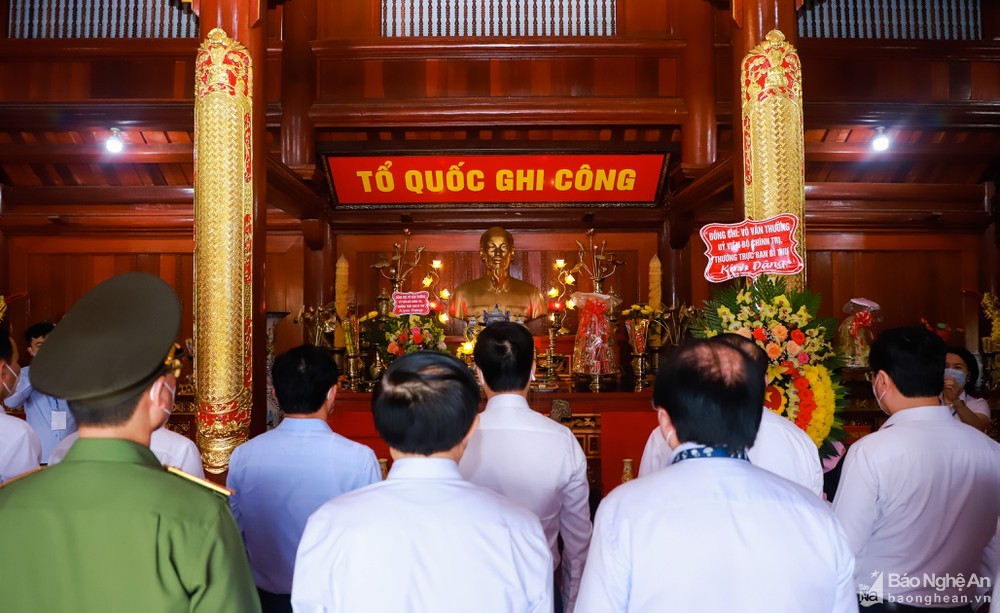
pixel 560 264
pixel 553 292
pixel 436 264
pixel 570 279
pixel 571 304
pixel 427 281
pixel 340 300
pixel 443 318
pixel 655 278
pixel 445 294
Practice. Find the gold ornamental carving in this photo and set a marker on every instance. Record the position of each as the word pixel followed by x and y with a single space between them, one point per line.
pixel 773 142
pixel 223 252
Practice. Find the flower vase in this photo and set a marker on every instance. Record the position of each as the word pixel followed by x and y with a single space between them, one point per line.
pixel 637 332
pixel 377 367
pixel 595 351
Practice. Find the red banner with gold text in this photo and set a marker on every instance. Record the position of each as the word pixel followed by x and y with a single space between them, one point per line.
pixel 456 179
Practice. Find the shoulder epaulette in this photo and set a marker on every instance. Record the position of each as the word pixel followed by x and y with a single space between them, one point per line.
pixel 215 487
pixel 21 476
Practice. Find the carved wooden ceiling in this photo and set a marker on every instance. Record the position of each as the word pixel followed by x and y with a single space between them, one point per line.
pixel 78 158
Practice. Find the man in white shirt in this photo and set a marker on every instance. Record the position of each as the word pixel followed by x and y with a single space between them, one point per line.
pixel 921 497
pixel 20 449
pixel 780 447
pixel 712 532
pixel 424 540
pixel 48 416
pixel 281 477
pixel 169 447
pixel 526 456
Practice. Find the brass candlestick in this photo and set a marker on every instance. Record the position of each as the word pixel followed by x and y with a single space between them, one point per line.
pixel 639 371
pixel 550 352
pixel 595 383
pixel 352 344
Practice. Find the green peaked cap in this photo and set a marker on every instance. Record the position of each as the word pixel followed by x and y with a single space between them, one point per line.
pixel 112 342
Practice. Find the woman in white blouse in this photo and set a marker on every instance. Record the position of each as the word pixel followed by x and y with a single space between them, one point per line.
pixel 960 375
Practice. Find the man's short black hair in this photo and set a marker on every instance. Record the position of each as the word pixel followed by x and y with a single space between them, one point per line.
pixel 302 378
pixel 105 417
pixel 754 351
pixel 38 330
pixel 714 394
pixel 913 358
pixel 970 363
pixel 6 348
pixel 505 352
pixel 425 403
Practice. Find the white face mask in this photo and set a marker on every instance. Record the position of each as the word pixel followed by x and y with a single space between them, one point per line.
pixel 957 375
pixel 878 399
pixel 17 377
pixel 173 394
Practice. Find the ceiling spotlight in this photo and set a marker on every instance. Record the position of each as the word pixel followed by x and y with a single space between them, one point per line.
pixel 114 143
pixel 881 140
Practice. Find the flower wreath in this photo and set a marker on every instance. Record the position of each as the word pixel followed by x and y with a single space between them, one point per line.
pixel 801 382
pixel 399 335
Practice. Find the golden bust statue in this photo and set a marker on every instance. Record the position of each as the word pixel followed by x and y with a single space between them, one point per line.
pixel 497 288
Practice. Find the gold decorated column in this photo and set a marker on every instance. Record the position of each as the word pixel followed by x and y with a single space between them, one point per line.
pixel 223 256
pixel 773 143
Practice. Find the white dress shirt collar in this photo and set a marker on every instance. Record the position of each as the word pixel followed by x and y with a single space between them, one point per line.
pixel 926 413
pixel 424 468
pixel 309 424
pixel 506 402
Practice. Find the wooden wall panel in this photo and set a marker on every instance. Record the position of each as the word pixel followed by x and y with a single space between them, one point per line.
pixel 284 272
pixel 109 69
pixel 56 271
pixel 402 71
pixel 534 259
pixel 912 276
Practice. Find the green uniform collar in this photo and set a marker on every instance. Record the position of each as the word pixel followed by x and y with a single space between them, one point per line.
pixel 111 450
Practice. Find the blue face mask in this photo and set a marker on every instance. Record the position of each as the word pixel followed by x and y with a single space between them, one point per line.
pixel 957 375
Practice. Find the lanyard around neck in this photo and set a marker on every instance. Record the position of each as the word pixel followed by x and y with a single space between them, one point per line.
pixel 709 452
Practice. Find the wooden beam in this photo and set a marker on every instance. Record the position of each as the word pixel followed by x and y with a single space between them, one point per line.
pixel 892 207
pixel 715 180
pixel 96 153
pixel 71 196
pixel 286 191
pixel 824 113
pixel 476 49
pixel 506 112
pixel 393 221
pixel 862 152
pixel 57 116
pixel 976 195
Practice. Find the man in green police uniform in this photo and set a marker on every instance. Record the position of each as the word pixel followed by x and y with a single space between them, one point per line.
pixel 109 529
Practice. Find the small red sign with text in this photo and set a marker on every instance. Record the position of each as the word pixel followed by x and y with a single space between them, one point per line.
pixel 426 179
pixel 751 248
pixel 410 303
